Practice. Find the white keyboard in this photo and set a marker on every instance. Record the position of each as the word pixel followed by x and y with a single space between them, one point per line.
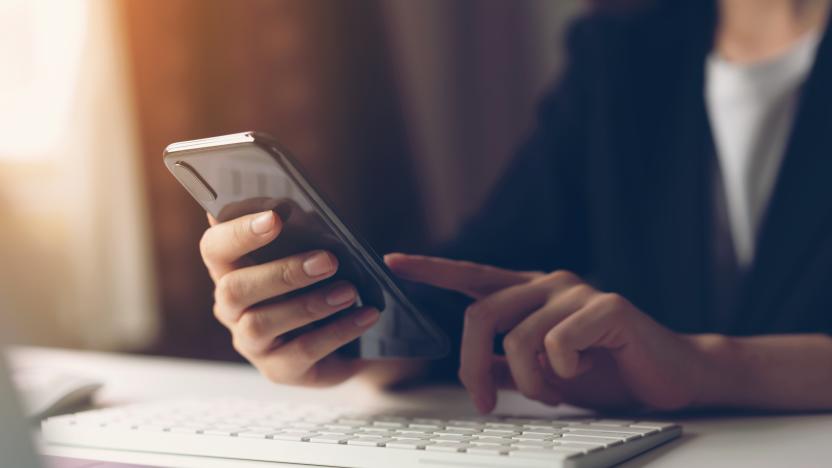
pixel 288 432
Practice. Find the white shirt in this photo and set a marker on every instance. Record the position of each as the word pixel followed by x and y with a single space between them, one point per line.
pixel 751 108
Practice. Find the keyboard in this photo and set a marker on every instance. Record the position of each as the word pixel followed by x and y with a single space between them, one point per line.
pixel 320 435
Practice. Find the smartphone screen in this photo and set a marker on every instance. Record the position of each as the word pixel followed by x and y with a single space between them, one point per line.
pixel 235 175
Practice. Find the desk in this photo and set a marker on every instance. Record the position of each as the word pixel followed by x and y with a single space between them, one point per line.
pixel 763 441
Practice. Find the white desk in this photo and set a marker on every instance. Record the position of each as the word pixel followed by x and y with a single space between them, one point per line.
pixel 764 441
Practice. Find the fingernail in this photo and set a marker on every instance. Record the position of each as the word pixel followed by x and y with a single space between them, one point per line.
pixel 263 223
pixel 365 317
pixel 341 294
pixel 318 264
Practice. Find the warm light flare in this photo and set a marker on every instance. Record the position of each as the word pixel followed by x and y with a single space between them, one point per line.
pixel 41 46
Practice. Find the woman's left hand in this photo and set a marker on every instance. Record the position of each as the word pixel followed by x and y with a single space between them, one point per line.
pixel 564 340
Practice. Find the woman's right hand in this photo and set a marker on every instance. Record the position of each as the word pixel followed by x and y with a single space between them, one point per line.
pixel 249 301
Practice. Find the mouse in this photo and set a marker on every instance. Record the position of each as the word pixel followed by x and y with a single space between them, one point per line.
pixel 49 392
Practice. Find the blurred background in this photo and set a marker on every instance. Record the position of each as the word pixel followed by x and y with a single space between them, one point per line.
pixel 404 112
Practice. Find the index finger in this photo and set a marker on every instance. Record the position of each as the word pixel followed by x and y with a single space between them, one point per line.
pixel 497 313
pixel 472 279
pixel 224 244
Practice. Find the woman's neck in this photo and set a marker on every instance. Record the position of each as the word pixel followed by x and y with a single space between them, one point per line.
pixel 755 30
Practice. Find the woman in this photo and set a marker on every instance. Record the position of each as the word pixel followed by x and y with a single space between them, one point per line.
pixel 673 248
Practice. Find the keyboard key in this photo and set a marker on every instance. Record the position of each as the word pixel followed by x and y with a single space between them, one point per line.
pixel 584 446
pixel 413 431
pixel 546 432
pixel 451 438
pixel 534 436
pixel 456 432
pixel 408 444
pixel 303 425
pixel 607 442
pixel 611 422
pixel 391 418
pixel 334 432
pixel 491 442
pixel 446 447
pixel 410 437
pixel 294 436
pixel 375 430
pixel 255 434
pixel 341 427
pixel 428 421
pixel 654 425
pixel 629 430
pixel 355 421
pixel 542 427
pixel 295 430
pixel 496 425
pixel 218 432
pixel 388 424
pixel 152 427
pixel 457 427
pixel 184 430
pixel 533 444
pixel 488 450
pixel 423 426
pixel 507 432
pixel 604 434
pixel 329 439
pixel 262 428
pixel 463 423
pixel 368 441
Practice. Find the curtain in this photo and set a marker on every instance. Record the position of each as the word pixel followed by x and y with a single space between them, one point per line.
pixel 75 261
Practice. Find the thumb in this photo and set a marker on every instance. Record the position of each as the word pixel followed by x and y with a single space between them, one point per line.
pixel 472 279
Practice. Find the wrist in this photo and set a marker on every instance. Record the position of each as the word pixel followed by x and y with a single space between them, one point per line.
pixel 718 375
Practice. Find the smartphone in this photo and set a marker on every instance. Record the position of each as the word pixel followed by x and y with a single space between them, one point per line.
pixel 243 173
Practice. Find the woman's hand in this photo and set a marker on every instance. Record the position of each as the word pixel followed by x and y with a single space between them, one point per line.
pixel 268 328
pixel 564 340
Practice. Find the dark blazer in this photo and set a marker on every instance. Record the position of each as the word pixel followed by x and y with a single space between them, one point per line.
pixel 616 184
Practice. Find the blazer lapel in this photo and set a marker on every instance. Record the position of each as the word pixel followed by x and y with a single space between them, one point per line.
pixel 798 215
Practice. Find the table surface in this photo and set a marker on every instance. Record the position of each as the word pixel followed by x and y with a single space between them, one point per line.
pixel 803 440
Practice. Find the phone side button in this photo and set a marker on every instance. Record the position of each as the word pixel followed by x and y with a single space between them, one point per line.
pixel 193 182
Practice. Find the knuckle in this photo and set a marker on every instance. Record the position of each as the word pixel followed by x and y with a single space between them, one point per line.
pixel 205 244
pixel 230 291
pixel 304 350
pixel 512 343
pixel 217 311
pixel 344 333
pixel 575 293
pixel 581 289
pixel 239 346
pixel 564 276
pixel 612 302
pixel 274 372
pixel 290 273
pixel 476 311
pixel 240 233
pixel 552 340
pixel 252 326
pixel 313 307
